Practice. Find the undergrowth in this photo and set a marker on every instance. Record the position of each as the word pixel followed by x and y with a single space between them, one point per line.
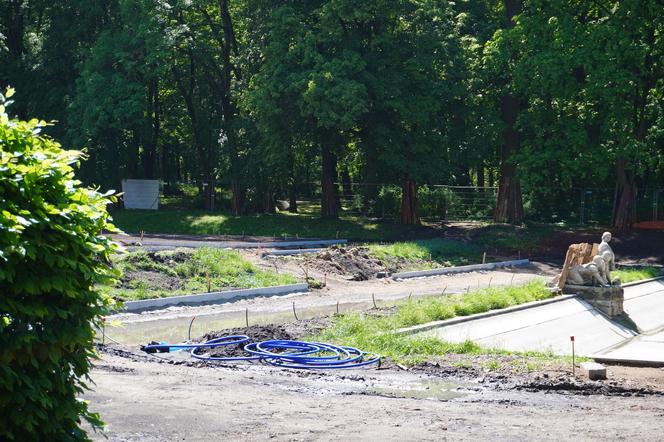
pixel 436 251
pixel 182 271
pixel 636 274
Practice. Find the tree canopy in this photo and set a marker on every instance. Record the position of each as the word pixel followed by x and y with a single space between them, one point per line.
pixel 265 98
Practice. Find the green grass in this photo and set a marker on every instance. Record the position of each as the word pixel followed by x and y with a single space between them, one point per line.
pixel 189 272
pixel 291 225
pixel 376 334
pixel 636 274
pixel 437 251
pixel 521 238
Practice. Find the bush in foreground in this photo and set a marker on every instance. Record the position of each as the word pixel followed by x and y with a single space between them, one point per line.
pixel 52 253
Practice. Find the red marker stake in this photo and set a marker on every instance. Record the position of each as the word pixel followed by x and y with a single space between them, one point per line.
pixel 571 338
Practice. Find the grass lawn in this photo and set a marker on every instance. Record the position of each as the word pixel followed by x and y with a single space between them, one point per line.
pixel 627 274
pixel 376 333
pixel 437 252
pixel 277 225
pixel 185 271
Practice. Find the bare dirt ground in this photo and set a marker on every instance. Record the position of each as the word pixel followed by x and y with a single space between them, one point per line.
pixel 147 401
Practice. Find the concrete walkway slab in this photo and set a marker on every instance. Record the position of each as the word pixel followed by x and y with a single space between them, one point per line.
pixel 548 328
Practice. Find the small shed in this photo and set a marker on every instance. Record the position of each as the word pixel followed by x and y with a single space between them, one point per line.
pixel 140 194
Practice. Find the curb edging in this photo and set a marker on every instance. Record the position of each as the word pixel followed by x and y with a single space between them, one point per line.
pixel 461 269
pixel 227 295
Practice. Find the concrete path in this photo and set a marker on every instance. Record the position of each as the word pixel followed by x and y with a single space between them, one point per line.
pixel 548 328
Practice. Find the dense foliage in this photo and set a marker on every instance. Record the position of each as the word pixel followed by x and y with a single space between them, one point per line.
pixel 52 253
pixel 266 97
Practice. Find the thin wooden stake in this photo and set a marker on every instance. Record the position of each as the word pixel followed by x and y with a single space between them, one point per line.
pixel 484 258
pixel 189 332
pixel 295 314
pixel 571 338
pixel 103 331
pixel 410 295
pixel 512 280
pixel 337 307
pixel 209 282
pixel 444 290
pixel 246 316
pixel 490 279
pixel 373 298
pixel 142 236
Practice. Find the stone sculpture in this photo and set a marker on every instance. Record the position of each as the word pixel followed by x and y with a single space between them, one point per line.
pixel 605 248
pixel 587 274
pixel 591 274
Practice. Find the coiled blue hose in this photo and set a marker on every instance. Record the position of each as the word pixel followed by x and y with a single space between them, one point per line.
pixel 280 353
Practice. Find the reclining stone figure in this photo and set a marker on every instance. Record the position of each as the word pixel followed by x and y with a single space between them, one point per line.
pixel 591 274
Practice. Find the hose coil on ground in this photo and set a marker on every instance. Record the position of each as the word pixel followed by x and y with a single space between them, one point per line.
pixel 280 353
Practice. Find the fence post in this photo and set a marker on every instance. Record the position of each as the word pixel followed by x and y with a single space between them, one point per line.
pixel 655 202
pixel 582 209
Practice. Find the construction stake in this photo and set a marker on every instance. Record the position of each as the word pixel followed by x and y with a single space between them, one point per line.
pixel 295 314
pixel 484 258
pixel 246 316
pixel 571 338
pixel 490 279
pixel 512 280
pixel 337 307
pixel 189 332
pixel 373 298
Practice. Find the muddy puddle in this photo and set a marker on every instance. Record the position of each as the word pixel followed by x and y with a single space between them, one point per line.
pixel 425 389
pixel 176 329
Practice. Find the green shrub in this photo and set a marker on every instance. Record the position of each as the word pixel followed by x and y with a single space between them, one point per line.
pixel 52 253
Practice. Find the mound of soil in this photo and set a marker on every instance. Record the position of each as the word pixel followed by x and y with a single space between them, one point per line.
pixel 355 262
pixel 150 279
pixel 255 333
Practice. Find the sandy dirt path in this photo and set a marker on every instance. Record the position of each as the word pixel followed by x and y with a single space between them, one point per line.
pixel 158 402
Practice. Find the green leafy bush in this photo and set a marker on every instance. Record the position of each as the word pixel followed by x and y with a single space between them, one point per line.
pixel 52 253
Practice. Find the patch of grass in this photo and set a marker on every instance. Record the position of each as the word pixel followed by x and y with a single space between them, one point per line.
pixel 281 224
pixel 189 272
pixel 522 238
pixel 377 334
pixel 627 274
pixel 438 251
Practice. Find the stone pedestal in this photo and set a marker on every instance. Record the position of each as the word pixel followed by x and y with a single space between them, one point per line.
pixel 608 300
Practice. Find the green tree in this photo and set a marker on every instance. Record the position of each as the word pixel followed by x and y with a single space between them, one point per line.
pixel 53 254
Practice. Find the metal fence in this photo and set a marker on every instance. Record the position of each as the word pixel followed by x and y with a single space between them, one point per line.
pixel 583 206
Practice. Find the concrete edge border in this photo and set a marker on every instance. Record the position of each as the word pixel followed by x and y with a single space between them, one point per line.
pixel 279 290
pixel 289 252
pixel 629 362
pixel 461 269
pixel 239 244
pixel 643 281
pixel 490 313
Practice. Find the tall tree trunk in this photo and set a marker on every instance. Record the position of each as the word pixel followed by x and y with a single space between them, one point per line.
pixel 228 107
pixel 346 184
pixel 292 198
pixel 509 202
pixel 268 200
pixel 624 208
pixel 150 152
pixel 480 175
pixel 409 202
pixel 329 203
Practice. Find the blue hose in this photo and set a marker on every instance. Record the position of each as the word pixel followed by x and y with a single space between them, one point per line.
pixel 280 353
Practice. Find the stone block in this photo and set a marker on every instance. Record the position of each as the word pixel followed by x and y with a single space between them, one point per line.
pixel 608 300
pixel 594 370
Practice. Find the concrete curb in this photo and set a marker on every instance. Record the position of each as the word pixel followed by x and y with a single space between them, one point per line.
pixel 227 295
pixel 289 252
pixel 643 281
pixel 628 362
pixel 461 269
pixel 490 313
pixel 161 245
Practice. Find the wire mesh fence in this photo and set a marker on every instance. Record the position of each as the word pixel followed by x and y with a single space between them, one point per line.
pixel 436 203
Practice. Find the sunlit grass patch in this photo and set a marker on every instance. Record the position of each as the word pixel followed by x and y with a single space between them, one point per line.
pixel 378 334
